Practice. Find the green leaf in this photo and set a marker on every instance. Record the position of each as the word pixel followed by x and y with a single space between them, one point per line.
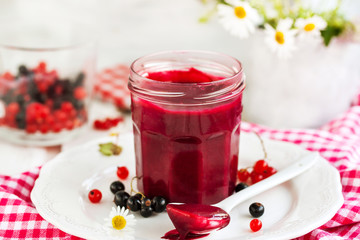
pixel 329 32
pixel 109 149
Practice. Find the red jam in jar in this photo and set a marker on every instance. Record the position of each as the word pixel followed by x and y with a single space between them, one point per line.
pixel 186 111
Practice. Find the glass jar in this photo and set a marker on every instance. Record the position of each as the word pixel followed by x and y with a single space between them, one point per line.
pixel 187 130
pixel 46 77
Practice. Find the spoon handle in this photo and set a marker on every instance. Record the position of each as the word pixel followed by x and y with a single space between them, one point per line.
pixel 283 175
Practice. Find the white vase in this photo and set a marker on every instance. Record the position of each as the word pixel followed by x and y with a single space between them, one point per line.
pixel 306 91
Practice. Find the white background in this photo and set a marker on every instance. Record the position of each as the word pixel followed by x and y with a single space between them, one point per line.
pixel 128 29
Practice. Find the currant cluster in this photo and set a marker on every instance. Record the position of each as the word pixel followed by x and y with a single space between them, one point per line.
pixel 95 195
pixel 37 100
pixel 107 123
pixel 260 171
pixel 137 202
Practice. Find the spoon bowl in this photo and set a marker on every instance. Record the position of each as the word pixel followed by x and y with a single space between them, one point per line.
pixel 197 218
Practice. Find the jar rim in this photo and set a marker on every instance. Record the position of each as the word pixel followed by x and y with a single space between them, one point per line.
pixel 198 92
pixel 132 66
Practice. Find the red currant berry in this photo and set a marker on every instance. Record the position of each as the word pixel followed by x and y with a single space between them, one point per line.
pixel 97 124
pixel 72 113
pixel 256 177
pixel 42 87
pixel 95 196
pixel 56 127
pixel 79 93
pixel 119 119
pixel 60 116
pixel 122 172
pixel 8 76
pixel 69 124
pixel 41 67
pixel 66 107
pixel 107 125
pixel 31 128
pixel 243 175
pixel 13 108
pixel 44 128
pixel 44 112
pixel 50 120
pixel 113 122
pixel 255 225
pixel 260 166
pixel 269 171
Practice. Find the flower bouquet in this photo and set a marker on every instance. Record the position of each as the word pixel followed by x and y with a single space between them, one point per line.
pixel 301 61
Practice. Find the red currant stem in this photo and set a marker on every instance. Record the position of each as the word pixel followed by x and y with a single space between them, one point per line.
pixel 262 145
pixel 132 189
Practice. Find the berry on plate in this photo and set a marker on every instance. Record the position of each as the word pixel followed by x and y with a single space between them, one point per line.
pixel 95 196
pixel 256 209
pixel 255 225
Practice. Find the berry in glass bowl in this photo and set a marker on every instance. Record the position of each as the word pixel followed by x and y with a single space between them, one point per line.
pixel 47 70
pixel 39 102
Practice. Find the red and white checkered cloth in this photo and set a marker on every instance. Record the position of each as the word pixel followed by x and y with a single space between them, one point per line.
pixel 337 141
pixel 111 86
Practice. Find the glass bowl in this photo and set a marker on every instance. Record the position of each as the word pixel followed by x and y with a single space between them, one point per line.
pixel 46 78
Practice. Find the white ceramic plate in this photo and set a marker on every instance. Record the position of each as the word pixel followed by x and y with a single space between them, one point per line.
pixel 291 209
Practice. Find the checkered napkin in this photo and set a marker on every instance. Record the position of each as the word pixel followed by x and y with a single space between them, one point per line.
pixel 111 86
pixel 337 141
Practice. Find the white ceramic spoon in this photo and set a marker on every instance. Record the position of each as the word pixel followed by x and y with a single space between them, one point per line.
pixel 195 220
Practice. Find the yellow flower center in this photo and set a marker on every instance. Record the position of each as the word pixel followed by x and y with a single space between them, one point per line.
pixel 240 12
pixel 309 27
pixel 118 222
pixel 279 37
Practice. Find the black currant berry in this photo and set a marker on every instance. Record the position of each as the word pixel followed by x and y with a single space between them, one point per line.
pixel 121 198
pixel 23 70
pixel 117 186
pixel 67 87
pixel 20 119
pixel 139 196
pixel 133 203
pixel 240 187
pixel 158 204
pixel 256 209
pixel 146 211
pixel 145 202
pixel 32 89
pixel 20 99
pixel 79 80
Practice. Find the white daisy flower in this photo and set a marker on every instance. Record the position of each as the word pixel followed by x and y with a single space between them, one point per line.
pixel 310 27
pixel 120 223
pixel 240 19
pixel 282 39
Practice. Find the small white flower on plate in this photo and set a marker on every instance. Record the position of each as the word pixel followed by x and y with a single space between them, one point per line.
pixel 240 19
pixel 120 223
pixel 282 39
pixel 310 27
